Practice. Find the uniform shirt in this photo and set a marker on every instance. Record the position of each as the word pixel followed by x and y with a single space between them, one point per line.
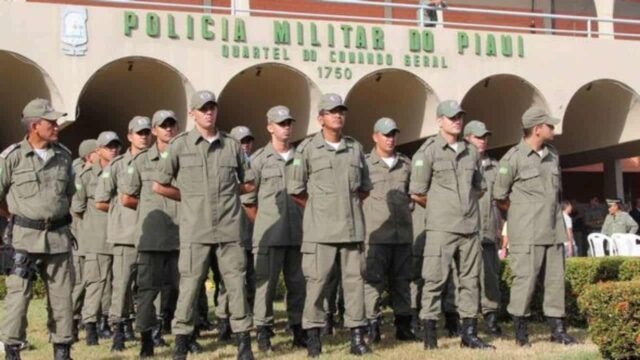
pixel 489 213
pixel 157 227
pixel 38 190
pixel 332 178
pixel 207 175
pixel 387 211
pixel 122 220
pixel 78 166
pixel 93 228
pixel 279 219
pixel 532 183
pixel 452 182
pixel 621 223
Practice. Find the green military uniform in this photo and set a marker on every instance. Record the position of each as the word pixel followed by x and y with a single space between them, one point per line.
pixel 277 233
pixel 120 232
pixel 156 237
pixel 98 252
pixel 452 182
pixel 536 230
pixel 418 223
pixel 38 194
pixel 621 223
pixel 207 174
pixel 389 235
pixel 333 224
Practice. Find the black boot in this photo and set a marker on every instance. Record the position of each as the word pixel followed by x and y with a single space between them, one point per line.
pixel 244 346
pixel 470 337
pixel 166 325
pixel 299 337
pixel 430 334
pixel 452 324
pixel 314 345
pixel 104 331
pixel 156 334
pixel 92 334
pixel 328 326
pixel 415 321
pixel 118 338
pixel 403 328
pixel 75 331
pixel 374 331
pixel 61 352
pixel 12 352
pixel 358 346
pixel 559 333
pixel 181 348
pixel 520 328
pixel 146 344
pixel 204 324
pixel 129 334
pixel 491 320
pixel 224 330
pixel 263 337
pixel 194 347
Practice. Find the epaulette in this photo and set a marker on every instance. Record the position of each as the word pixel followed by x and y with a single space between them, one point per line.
pixel 85 169
pixel 143 151
pixel 305 142
pixel 9 150
pixel 116 159
pixel 257 153
pixel 427 142
pixel 510 153
pixel 181 135
pixel 403 157
pixel 63 147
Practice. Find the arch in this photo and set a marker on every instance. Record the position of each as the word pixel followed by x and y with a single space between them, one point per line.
pixel 602 113
pixel 499 101
pixel 385 93
pixel 248 96
pixel 24 80
pixel 124 88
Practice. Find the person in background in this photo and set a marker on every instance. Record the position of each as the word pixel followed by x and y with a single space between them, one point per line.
pixel 569 246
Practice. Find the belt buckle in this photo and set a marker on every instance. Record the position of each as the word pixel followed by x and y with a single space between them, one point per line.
pixel 47 224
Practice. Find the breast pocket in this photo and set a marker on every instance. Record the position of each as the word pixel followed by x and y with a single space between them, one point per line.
pixel 444 173
pixel 191 173
pixel 321 174
pixel 271 181
pixel 355 173
pixel 530 179
pixel 227 168
pixel 26 184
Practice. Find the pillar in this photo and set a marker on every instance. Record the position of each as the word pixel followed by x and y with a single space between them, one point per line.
pixel 613 181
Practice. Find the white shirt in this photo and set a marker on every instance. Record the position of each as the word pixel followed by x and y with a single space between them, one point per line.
pixel 540 152
pixel 211 140
pixel 567 221
pixel 390 161
pixel 454 146
pixel 42 153
pixel 333 145
pixel 286 155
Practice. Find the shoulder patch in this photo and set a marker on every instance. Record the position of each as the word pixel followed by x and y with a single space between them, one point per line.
pixel 503 170
pixel 9 150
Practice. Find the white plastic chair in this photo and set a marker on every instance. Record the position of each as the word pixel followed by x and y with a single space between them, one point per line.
pixel 623 244
pixel 596 244
pixel 634 244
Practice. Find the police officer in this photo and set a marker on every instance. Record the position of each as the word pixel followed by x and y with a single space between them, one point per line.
pixel 36 181
pixel 121 229
pixel 277 232
pixel 156 233
pixel 328 176
pixel 618 221
pixel 87 156
pixel 528 186
pixel 418 222
pixel 476 133
pixel 93 233
pixel 210 174
pixel 387 216
pixel 445 177
pixel 246 139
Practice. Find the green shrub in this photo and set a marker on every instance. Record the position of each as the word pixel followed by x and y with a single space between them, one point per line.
pixel 38 289
pixel 614 325
pixel 630 269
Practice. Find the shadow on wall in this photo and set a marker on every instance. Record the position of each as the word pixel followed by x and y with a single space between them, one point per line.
pixel 393 93
pixel 248 96
pixel 122 89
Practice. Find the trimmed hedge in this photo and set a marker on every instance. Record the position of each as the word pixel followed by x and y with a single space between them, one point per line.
pixel 613 310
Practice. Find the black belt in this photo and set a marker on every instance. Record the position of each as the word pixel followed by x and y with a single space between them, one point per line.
pixel 42 224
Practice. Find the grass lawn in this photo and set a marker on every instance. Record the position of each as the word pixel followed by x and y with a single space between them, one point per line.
pixel 335 347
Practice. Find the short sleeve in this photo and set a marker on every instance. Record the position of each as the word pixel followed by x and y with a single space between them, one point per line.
pixel 79 199
pixel 504 179
pixel 131 182
pixel 168 165
pixel 297 174
pixel 106 185
pixel 420 173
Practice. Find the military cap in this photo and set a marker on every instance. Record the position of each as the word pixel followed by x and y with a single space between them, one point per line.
pixel 161 116
pixel 613 201
pixel 385 126
pixel 139 123
pixel 201 98
pixel 87 147
pixel 41 108
pixel 330 102
pixel 476 128
pixel 241 132
pixel 278 114
pixel 536 116
pixel 449 108
pixel 107 137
